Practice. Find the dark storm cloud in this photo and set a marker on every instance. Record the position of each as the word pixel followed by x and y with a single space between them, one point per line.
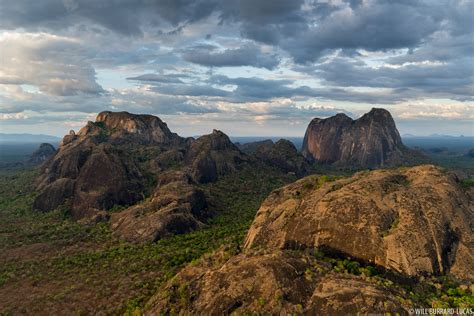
pixel 246 55
pixel 267 21
pixel 430 77
pixel 386 52
pixel 123 16
pixel 306 30
pixel 375 27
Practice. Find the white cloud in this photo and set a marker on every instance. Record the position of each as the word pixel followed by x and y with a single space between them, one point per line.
pixel 54 64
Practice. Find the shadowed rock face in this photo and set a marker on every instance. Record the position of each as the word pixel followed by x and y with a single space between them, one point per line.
pixel 89 172
pixel 252 147
pixel 114 161
pixel 43 153
pixel 283 155
pixel 175 207
pixel 370 141
pixel 211 156
pixel 415 221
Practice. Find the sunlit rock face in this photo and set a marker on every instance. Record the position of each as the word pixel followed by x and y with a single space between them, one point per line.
pixel 415 221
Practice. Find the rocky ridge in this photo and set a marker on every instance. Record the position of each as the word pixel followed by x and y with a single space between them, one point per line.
pixel 121 158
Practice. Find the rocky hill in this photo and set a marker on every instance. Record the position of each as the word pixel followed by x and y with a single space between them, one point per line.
pixel 122 158
pixel 211 156
pixel 371 141
pixel 385 215
pixel 43 153
pixel 284 156
pixel 401 224
pixel 95 169
pixel 175 207
pixel 251 148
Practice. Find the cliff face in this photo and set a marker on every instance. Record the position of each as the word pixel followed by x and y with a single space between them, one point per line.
pixel 126 127
pixel 368 142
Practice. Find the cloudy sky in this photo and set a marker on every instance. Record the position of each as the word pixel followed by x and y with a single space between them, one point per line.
pixel 247 67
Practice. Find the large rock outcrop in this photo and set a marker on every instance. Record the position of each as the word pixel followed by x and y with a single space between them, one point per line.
pixel 403 223
pixel 284 156
pixel 369 142
pixel 116 161
pixel 211 156
pixel 126 127
pixel 95 169
pixel 175 207
pixel 43 153
pixel 415 221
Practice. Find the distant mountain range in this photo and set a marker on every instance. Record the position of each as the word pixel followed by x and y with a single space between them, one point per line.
pixel 28 138
pixel 407 135
pixel 43 138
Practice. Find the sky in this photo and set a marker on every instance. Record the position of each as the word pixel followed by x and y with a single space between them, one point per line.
pixel 246 67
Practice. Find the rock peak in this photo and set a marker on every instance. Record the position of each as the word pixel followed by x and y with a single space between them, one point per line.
pixel 368 142
pixel 125 126
pixel 43 153
pixel 379 113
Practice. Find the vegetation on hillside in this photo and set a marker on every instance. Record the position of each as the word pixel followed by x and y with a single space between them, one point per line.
pixel 56 264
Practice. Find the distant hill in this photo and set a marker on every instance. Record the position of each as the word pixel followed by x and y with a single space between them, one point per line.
pixel 297 141
pixel 28 138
